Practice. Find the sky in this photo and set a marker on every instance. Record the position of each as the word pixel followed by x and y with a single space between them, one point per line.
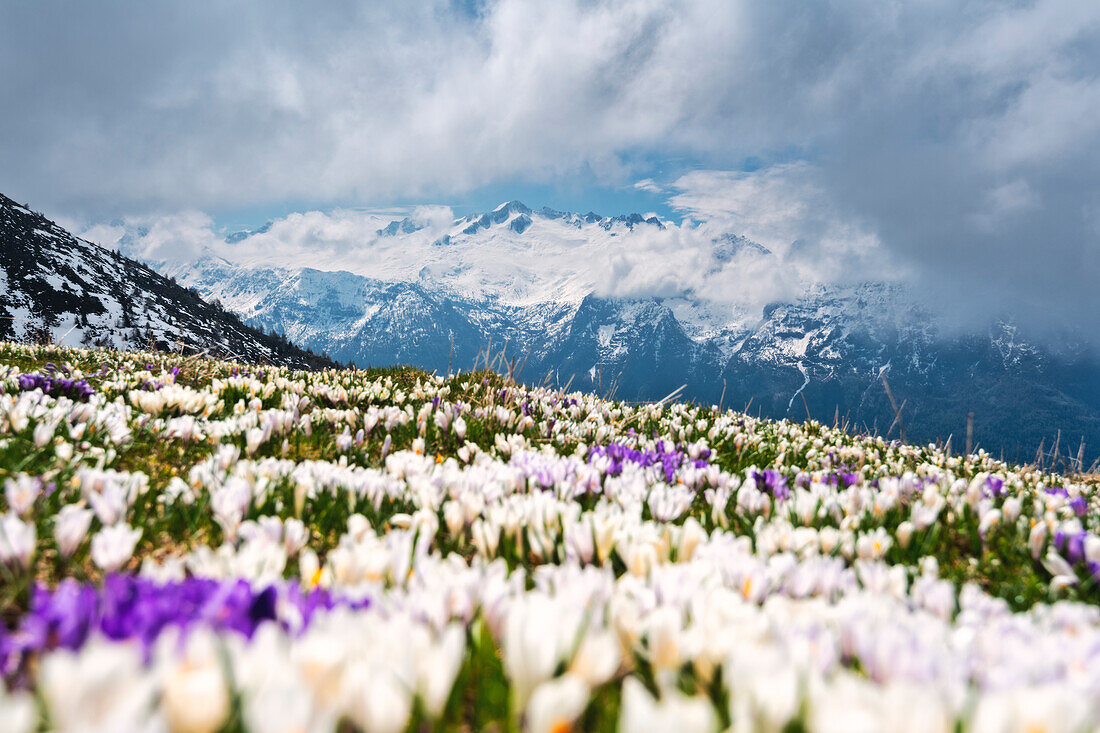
pixel 958 141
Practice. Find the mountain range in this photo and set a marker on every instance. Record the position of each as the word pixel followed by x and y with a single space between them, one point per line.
pixel 440 296
pixel 531 288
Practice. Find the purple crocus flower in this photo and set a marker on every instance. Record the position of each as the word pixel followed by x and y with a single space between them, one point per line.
pixel 1079 505
pixel 77 390
pixel 669 459
pixel 129 607
pixel 774 483
pixel 1072 545
pixel 994 486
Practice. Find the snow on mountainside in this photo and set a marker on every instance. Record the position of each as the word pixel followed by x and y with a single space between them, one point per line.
pixel 514 255
pixel 531 283
pixel 56 287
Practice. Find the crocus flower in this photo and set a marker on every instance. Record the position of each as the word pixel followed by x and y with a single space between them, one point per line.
pixel 1079 505
pixel 17 711
pixel 43 434
pixel 56 386
pixel 17 541
pixel 673 712
pixel 556 704
pixel 70 527
pixel 21 491
pixel 113 546
pixel 773 482
pixel 1061 570
pixel 195 693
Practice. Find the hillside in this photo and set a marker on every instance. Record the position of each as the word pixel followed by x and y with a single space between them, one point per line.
pixel 55 287
pixel 201 545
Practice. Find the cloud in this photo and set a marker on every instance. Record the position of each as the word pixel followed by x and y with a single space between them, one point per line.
pixel 787 209
pixel 1003 205
pixel 435 218
pixel 958 141
pixel 770 206
pixel 155 238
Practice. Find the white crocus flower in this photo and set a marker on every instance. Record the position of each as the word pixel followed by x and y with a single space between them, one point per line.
pixel 580 539
pixel 295 536
pixel 43 434
pixel 112 547
pixel 1062 571
pixel 664 631
pixel 17 712
pixel 63 451
pixel 276 701
pixel 673 713
pixel 375 699
pixel 533 641
pixel 253 439
pixel 442 418
pixel 597 658
pixel 1092 548
pixel 17 541
pixel 904 533
pixel 764 686
pixel 1036 540
pixel 1046 708
pixel 989 520
pixel 70 527
pixel 913 708
pixel 454 517
pixel 846 705
pixel 438 663
pixel 110 503
pixel 103 687
pixel 556 704
pixel 693 534
pixel 229 502
pixel 195 693
pixel 22 491
pixel 873 545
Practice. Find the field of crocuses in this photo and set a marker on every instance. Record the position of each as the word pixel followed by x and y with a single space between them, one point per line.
pixel 191 545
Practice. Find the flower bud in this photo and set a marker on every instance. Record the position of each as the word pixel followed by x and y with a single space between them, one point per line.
pixel 904 534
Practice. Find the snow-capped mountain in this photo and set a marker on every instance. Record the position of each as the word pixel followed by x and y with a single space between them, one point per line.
pixel 58 288
pixel 588 299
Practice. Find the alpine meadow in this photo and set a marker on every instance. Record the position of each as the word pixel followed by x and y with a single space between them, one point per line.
pixel 533 367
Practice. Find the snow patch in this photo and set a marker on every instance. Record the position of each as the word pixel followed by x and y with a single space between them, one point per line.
pixel 806 377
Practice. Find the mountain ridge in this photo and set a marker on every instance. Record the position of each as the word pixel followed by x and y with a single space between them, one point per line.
pixel 60 288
